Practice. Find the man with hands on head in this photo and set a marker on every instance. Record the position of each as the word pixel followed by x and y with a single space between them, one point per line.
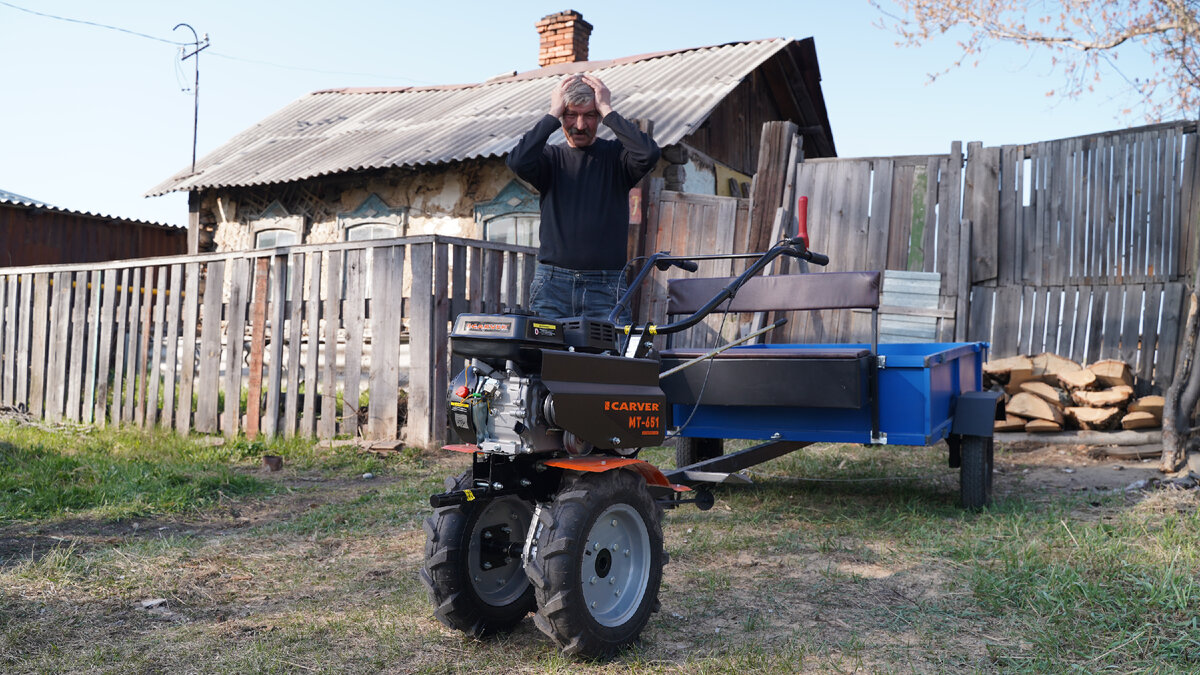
pixel 584 187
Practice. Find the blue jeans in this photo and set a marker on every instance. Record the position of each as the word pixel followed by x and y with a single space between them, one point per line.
pixel 560 293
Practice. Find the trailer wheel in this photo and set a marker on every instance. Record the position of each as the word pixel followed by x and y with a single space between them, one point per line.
pixel 474 584
pixel 596 562
pixel 688 451
pixel 975 474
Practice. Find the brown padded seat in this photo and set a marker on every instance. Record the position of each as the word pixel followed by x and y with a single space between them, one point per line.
pixel 782 292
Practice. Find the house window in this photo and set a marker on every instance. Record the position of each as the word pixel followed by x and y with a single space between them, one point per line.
pixel 512 217
pixel 373 219
pixel 516 228
pixel 371 231
pixel 273 238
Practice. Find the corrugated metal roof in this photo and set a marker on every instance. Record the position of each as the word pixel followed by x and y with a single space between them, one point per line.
pixel 14 199
pixel 344 130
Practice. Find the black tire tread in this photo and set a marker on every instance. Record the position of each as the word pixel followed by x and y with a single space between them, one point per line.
pixel 691 450
pixel 443 575
pixel 553 570
pixel 975 474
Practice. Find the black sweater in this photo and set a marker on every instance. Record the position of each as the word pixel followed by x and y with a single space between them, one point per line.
pixel 584 191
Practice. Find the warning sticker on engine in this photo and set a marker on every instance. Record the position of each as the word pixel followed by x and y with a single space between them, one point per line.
pixel 491 327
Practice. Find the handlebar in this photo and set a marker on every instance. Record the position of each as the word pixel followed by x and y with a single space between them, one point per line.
pixel 793 247
pixel 796 247
pixel 685 265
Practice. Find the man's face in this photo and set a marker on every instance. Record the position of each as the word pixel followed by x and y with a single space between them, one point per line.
pixel 580 123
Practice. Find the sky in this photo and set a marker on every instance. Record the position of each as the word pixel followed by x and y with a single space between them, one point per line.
pixel 91 118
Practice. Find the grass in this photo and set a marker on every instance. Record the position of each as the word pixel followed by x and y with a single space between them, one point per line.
pixel 837 559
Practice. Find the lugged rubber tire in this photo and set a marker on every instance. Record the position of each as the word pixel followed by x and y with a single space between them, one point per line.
pixel 975 474
pixel 600 537
pixel 688 451
pixel 476 601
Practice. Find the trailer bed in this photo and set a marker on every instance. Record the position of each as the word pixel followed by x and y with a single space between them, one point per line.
pixel 899 394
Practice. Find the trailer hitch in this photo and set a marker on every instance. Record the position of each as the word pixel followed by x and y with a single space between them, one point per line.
pixel 704 500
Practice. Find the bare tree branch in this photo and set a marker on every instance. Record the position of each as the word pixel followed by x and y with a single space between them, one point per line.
pixel 1084 37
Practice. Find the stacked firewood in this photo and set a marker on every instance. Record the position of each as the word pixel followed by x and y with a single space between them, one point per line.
pixel 1050 393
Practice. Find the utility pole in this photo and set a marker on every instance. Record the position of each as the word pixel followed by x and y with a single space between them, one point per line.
pixel 197 47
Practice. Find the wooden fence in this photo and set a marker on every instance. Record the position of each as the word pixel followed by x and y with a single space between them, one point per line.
pixel 1080 246
pixel 301 332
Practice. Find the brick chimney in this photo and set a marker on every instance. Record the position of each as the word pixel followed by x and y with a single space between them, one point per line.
pixel 564 38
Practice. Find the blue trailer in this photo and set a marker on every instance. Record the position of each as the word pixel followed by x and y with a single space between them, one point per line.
pixel 792 395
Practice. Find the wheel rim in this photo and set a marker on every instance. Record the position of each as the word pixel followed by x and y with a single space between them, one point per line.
pixel 615 568
pixel 503 584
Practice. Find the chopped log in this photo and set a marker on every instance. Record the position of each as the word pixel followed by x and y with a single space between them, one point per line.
pixel 1000 367
pixel 1112 372
pixel 1048 366
pixel 1078 379
pixel 1056 397
pixel 1010 423
pixel 1098 419
pixel 1117 396
pixel 1042 426
pixel 1150 404
pixel 1030 406
pixel 1140 420
pixel 1016 378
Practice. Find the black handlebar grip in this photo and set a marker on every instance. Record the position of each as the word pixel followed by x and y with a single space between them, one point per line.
pixel 687 265
pixel 816 258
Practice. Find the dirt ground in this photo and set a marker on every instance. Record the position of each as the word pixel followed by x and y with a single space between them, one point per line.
pixel 824 593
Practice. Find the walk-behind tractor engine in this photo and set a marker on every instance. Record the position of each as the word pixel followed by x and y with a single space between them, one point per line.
pixel 531 378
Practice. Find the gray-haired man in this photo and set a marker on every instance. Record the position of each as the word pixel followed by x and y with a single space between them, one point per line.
pixel 584 187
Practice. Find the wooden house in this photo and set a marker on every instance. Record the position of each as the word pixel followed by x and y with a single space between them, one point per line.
pixel 346 164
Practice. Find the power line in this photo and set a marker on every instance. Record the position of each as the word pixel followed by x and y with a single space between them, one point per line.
pixel 91 23
pixel 218 54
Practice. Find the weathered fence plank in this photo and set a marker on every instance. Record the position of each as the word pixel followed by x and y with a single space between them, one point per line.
pixel 160 306
pixel 76 370
pixel 312 317
pixel 291 414
pixel 37 344
pixel 209 363
pixel 146 288
pixel 1174 296
pixel 327 424
pixel 9 386
pixel 1130 323
pixel 420 343
pixel 353 310
pixel 108 308
pixel 235 343
pixel 56 377
pixel 92 369
pixel 385 324
pixel 172 348
pixel 278 308
pixel 191 310
pixel 439 335
pixel 131 344
pixel 1150 339
pixel 258 337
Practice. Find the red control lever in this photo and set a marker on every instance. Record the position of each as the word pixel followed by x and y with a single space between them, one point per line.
pixel 802 219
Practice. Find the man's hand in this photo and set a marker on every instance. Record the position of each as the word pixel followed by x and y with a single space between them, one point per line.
pixel 603 96
pixel 558 99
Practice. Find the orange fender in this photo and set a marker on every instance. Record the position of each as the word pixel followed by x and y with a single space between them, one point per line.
pixel 600 464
